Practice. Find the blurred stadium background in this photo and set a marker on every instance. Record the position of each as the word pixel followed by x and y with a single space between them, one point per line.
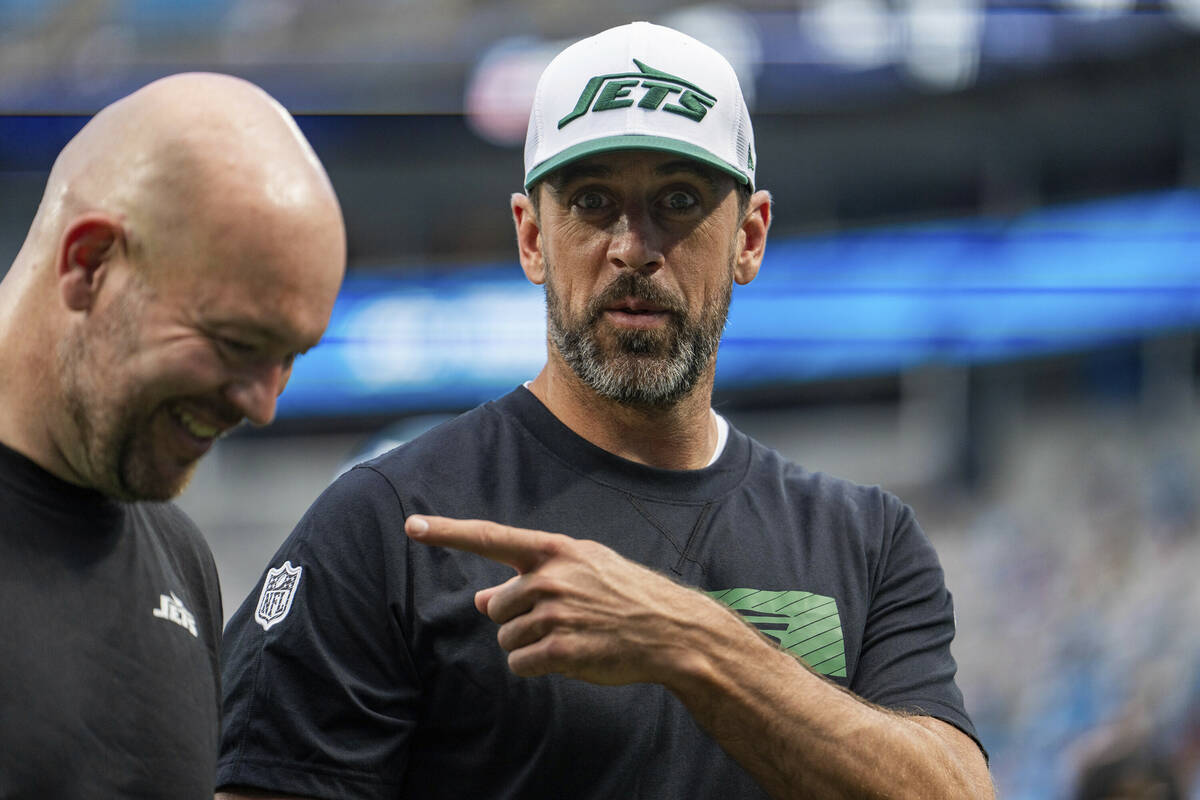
pixel 982 292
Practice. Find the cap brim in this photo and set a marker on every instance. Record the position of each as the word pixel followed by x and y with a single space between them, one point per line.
pixel 608 144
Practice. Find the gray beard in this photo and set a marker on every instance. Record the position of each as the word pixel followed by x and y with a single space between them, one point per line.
pixel 649 369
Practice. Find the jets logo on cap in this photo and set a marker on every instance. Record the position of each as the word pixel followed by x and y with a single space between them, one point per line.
pixel 606 92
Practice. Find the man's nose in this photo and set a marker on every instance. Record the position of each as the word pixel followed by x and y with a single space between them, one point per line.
pixel 636 243
pixel 256 389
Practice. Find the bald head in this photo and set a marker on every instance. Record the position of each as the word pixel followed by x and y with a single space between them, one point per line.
pixel 186 149
pixel 187 246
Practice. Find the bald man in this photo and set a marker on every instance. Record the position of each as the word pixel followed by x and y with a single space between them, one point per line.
pixel 189 245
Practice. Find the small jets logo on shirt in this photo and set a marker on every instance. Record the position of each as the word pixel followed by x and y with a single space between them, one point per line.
pixel 172 608
pixel 278 591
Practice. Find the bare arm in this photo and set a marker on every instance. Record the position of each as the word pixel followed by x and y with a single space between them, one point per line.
pixel 579 609
pixel 803 736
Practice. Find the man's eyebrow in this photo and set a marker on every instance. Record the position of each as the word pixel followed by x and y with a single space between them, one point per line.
pixel 700 171
pixel 574 172
pixel 263 333
pixel 245 328
pixel 599 169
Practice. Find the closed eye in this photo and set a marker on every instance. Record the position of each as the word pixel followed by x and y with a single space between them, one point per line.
pixel 236 347
pixel 240 350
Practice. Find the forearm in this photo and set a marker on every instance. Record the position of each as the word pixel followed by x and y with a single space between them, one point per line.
pixel 803 736
pixel 578 609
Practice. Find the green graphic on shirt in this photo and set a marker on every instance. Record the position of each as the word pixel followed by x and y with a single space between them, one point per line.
pixel 805 624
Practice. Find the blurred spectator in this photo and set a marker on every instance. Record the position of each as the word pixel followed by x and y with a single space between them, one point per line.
pixel 1079 611
pixel 1135 775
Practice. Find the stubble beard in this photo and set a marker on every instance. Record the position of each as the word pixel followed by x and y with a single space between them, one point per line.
pixel 115 448
pixel 640 368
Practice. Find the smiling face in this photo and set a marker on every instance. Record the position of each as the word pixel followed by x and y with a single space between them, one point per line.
pixel 638 251
pixel 171 359
pixel 188 245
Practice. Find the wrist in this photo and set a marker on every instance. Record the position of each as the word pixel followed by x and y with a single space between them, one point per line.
pixel 722 656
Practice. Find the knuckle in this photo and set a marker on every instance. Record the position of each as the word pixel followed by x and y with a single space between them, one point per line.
pixel 558 649
pixel 554 617
pixel 525 667
pixel 590 546
pixel 544 585
pixel 490 530
pixel 556 544
pixel 591 549
pixel 507 638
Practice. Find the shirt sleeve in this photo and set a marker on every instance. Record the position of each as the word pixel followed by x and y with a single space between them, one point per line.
pixel 320 696
pixel 905 663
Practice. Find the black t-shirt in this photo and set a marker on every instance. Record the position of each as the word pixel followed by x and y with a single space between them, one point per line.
pixel 110 623
pixel 361 669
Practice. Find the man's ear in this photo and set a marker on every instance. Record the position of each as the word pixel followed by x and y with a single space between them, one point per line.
pixel 752 237
pixel 85 253
pixel 529 238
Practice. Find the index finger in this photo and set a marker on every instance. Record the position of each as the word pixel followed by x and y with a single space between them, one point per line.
pixel 519 548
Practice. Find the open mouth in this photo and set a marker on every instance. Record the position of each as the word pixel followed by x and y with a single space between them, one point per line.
pixel 636 318
pixel 633 305
pixel 197 428
pixel 633 312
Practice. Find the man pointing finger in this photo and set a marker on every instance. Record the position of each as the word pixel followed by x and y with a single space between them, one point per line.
pixel 612 488
pixel 576 608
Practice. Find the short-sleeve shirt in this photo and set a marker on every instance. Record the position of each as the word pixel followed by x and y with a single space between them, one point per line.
pixel 111 623
pixel 360 668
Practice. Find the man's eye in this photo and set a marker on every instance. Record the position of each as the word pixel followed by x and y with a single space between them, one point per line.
pixel 591 201
pixel 236 346
pixel 679 201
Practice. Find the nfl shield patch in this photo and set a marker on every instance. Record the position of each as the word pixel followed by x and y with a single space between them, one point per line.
pixel 278 591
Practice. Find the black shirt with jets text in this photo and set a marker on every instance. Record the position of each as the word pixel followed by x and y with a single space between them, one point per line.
pixel 110 618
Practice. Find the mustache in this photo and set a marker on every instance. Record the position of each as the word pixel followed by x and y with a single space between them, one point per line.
pixel 639 287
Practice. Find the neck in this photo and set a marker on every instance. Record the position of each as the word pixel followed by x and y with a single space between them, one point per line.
pixel 680 436
pixel 28 386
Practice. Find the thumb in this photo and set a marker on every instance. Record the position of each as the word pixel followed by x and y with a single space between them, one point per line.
pixel 484 596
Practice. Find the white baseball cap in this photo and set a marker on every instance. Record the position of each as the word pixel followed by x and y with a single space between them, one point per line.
pixel 639 86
